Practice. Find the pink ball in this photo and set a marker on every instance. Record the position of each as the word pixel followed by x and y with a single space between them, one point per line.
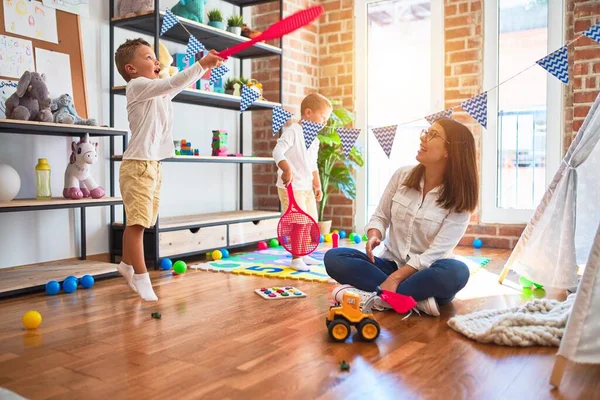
pixel 262 245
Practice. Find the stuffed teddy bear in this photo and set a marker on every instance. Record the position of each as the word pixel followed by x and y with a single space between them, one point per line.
pixel 135 6
pixel 31 101
pixel 190 9
pixel 165 59
pixel 65 113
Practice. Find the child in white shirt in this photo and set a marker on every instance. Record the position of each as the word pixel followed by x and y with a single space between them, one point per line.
pixel 299 165
pixel 150 115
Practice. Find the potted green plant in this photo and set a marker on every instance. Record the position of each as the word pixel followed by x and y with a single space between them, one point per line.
pixel 215 18
pixel 234 24
pixel 335 170
pixel 228 86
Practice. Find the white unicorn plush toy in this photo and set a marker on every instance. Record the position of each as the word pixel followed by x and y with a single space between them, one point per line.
pixel 78 180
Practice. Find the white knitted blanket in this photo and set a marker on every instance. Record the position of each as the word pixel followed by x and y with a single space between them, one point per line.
pixel 540 322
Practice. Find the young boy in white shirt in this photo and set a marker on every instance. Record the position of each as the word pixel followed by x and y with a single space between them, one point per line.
pixel 299 165
pixel 150 115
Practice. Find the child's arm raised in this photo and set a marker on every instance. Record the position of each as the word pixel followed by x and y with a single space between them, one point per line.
pixel 284 143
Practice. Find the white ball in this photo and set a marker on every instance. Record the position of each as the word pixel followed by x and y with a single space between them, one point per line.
pixel 10 182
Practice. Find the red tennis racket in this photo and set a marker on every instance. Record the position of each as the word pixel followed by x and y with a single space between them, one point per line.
pixel 297 231
pixel 399 302
pixel 278 29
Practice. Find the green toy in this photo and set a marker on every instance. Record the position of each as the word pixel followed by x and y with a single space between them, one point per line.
pixel 273 243
pixel 190 9
pixel 344 366
pixel 526 283
pixel 156 315
pixel 179 267
pixel 365 237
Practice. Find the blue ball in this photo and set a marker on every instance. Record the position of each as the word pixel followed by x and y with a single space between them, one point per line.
pixel 322 239
pixel 87 281
pixel 225 253
pixel 166 264
pixel 52 288
pixel 357 238
pixel 72 277
pixel 477 243
pixel 70 285
pixel 342 234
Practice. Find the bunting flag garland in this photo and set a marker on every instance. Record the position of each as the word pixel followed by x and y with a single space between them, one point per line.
pixel 194 46
pixel 593 33
pixel 310 130
pixel 557 63
pixel 476 106
pixel 385 136
pixel 249 96
pixel 280 117
pixel 169 21
pixel 217 73
pixel 348 138
pixel 442 114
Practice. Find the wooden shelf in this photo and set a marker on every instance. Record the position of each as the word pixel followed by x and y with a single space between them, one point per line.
pixel 56 203
pixel 15 280
pixel 211 38
pixel 213 159
pixel 52 129
pixel 212 99
pixel 211 219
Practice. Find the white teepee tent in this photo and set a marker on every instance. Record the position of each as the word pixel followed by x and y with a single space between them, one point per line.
pixel 560 235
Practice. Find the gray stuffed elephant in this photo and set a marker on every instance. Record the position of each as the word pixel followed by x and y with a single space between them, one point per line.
pixel 64 112
pixel 31 101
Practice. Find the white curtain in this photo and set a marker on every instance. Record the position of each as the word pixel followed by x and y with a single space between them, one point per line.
pixel 561 231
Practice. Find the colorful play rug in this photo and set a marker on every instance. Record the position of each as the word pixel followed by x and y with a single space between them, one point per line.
pixel 273 263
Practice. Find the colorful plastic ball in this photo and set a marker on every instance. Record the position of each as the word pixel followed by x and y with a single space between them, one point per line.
pixel 328 238
pixel 52 288
pixel 365 237
pixel 537 285
pixel 166 264
pixel 217 255
pixel 87 281
pixel 342 234
pixel 477 243
pixel 351 236
pixel 72 277
pixel 335 231
pixel 70 285
pixel 357 239
pixel 273 243
pixel 31 319
pixel 262 245
pixel 524 282
pixel 322 238
pixel 179 267
pixel 225 253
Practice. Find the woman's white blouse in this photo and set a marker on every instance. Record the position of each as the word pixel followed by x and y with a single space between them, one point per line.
pixel 420 231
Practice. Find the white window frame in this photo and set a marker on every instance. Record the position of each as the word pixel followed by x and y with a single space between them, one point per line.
pixel 490 213
pixel 361 90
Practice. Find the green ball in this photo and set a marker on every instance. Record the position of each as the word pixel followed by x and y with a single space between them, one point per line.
pixel 273 243
pixel 538 286
pixel 524 282
pixel 179 267
pixel 365 237
pixel 351 237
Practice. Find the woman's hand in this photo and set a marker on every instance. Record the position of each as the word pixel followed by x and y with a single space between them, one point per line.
pixel 390 284
pixel 373 242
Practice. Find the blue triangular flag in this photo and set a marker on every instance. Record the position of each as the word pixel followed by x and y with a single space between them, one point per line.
pixel 169 21
pixel 310 130
pixel 193 47
pixel 217 73
pixel 385 136
pixel 348 138
pixel 593 33
pixel 280 117
pixel 476 106
pixel 557 63
pixel 442 114
pixel 249 96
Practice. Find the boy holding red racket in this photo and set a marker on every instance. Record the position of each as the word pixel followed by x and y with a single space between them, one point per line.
pixel 298 164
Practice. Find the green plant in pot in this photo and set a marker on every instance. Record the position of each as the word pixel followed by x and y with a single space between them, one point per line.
pixel 234 24
pixel 228 86
pixel 335 170
pixel 215 19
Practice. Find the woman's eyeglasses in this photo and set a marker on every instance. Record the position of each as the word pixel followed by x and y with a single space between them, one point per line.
pixel 430 135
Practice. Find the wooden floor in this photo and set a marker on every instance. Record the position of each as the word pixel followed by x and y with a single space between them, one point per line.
pixel 219 340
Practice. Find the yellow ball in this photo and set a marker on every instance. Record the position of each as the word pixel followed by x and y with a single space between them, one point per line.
pixel 32 319
pixel 217 255
pixel 328 238
pixel 335 231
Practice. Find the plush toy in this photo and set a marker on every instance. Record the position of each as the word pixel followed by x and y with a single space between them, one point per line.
pixel 135 6
pixel 249 32
pixel 78 180
pixel 190 9
pixel 165 59
pixel 64 112
pixel 31 101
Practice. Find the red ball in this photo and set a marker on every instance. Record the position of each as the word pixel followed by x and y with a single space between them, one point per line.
pixel 262 245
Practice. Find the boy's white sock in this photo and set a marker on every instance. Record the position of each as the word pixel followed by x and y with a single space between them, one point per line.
pixel 144 287
pixel 299 265
pixel 126 271
pixel 308 260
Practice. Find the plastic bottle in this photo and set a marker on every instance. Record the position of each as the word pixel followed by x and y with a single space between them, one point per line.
pixel 42 180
